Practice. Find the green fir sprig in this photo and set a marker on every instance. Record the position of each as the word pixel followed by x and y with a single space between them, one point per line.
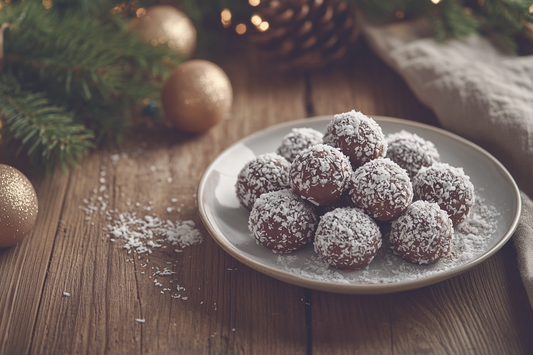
pixel 45 132
pixel 92 67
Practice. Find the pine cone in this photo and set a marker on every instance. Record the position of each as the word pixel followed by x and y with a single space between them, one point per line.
pixel 305 34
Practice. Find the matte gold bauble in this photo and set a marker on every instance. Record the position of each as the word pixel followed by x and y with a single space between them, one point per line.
pixel 18 206
pixel 162 24
pixel 196 96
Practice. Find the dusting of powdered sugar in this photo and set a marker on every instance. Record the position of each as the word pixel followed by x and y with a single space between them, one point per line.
pixel 358 136
pixel 411 151
pixel 470 241
pixel 297 140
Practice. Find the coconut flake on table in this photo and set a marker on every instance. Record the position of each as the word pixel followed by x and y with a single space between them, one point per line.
pixel 142 233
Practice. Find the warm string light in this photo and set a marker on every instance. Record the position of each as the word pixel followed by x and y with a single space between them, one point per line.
pixel 399 14
pixel 47 4
pixel 240 28
pixel 531 9
pixel 258 22
pixel 435 1
pixel 225 18
pixel 263 26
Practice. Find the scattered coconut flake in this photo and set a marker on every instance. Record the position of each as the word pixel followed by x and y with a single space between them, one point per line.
pixel 141 233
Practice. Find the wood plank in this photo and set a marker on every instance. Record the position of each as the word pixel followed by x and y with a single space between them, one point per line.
pixel 351 324
pixel 99 284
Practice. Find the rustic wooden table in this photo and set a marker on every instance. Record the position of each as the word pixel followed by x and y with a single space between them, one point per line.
pixel 68 289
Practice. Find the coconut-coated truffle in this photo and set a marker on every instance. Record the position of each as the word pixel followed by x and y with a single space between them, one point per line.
pixel 423 234
pixel 358 136
pixel 382 188
pixel 411 151
pixel 320 174
pixel 266 173
pixel 447 186
pixel 297 140
pixel 347 238
pixel 282 221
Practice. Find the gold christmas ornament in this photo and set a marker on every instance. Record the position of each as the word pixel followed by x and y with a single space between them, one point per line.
pixel 196 96
pixel 18 206
pixel 163 24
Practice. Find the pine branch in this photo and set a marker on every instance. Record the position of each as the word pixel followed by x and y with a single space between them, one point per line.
pixel 82 53
pixel 46 133
pixel 83 62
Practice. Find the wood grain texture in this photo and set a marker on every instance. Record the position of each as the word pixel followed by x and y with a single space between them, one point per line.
pixel 225 306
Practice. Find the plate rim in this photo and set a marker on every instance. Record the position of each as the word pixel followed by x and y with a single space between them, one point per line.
pixel 351 288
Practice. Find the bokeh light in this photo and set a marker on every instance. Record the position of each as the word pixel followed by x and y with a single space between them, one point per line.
pixel 225 18
pixel 240 28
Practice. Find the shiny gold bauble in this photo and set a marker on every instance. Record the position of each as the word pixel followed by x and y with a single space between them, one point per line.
pixel 196 96
pixel 18 206
pixel 163 24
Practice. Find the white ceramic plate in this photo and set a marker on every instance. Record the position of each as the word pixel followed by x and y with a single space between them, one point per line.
pixel 227 222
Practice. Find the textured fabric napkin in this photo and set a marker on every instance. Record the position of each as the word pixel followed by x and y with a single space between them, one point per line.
pixel 478 93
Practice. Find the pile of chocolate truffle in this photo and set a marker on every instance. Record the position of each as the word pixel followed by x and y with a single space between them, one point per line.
pixel 337 189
